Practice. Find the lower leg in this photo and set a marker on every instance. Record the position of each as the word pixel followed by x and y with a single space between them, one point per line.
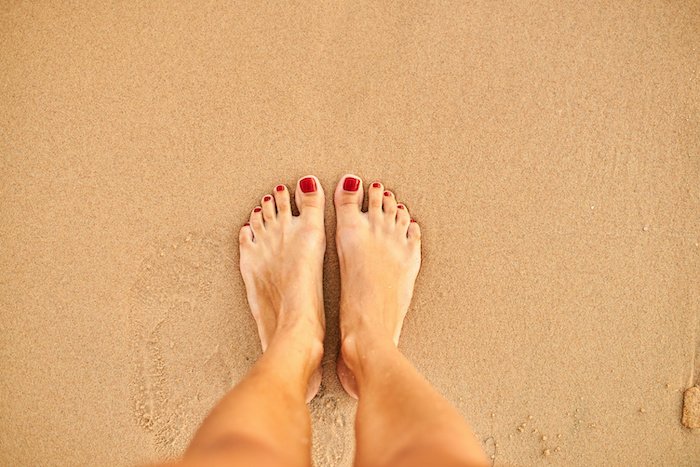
pixel 264 419
pixel 393 394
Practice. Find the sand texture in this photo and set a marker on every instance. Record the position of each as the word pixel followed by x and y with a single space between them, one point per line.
pixel 549 150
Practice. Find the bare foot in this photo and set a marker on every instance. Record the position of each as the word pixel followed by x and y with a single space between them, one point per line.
pixel 379 253
pixel 282 267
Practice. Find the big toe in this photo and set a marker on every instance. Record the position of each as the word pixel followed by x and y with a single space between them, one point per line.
pixel 310 198
pixel 348 197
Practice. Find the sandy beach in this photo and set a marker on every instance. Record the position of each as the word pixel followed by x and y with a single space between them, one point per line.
pixel 549 150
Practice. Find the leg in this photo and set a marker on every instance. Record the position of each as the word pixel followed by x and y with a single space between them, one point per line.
pixel 264 419
pixel 401 419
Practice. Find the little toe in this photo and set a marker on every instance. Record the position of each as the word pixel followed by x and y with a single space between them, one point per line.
pixel 269 211
pixel 256 221
pixel 389 205
pixel 284 209
pixel 245 236
pixel 414 233
pixel 375 193
pixel 309 198
pixel 403 219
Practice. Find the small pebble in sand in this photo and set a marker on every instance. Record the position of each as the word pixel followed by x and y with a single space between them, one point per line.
pixel 668 385
pixel 534 430
pixel 592 206
pixel 645 228
pixel 493 456
pixel 510 436
pixel 339 421
pixel 557 449
pixel 529 417
pixel 642 410
pixel 493 414
pixel 559 435
pixel 162 253
pixel 546 452
pixel 544 438
pixel 188 238
pixel 521 428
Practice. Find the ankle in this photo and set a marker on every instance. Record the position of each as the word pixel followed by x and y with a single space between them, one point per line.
pixel 301 343
pixel 360 348
pixel 292 361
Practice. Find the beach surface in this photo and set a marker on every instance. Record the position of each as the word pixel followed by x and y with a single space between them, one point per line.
pixel 549 150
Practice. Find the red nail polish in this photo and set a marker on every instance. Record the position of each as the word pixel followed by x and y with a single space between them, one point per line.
pixel 279 188
pixel 386 193
pixel 400 206
pixel 376 184
pixel 247 224
pixel 258 209
pixel 412 220
pixel 307 185
pixel 267 198
pixel 351 184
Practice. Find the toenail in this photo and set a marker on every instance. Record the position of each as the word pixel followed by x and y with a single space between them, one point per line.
pixel 258 209
pixel 400 206
pixel 412 220
pixel 387 193
pixel 247 224
pixel 307 185
pixel 376 184
pixel 279 188
pixel 351 184
pixel 267 198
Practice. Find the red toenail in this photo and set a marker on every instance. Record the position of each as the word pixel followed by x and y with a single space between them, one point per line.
pixel 246 224
pixel 412 220
pixel 267 198
pixel 258 209
pixel 400 206
pixel 387 193
pixel 376 184
pixel 351 184
pixel 307 185
pixel 279 188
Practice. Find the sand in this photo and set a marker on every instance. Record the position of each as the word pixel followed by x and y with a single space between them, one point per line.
pixel 550 151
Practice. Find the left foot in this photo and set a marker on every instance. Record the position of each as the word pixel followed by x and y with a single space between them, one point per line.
pixel 282 268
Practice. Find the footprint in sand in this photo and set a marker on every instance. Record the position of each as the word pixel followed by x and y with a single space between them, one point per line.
pixel 192 336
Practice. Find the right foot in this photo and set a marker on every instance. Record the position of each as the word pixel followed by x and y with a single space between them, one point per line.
pixel 379 255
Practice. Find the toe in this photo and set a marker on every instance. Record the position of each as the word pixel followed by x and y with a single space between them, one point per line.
pixel 256 221
pixel 403 219
pixel 348 196
pixel 414 232
pixel 245 235
pixel 282 201
pixel 309 197
pixel 268 208
pixel 389 205
pixel 374 204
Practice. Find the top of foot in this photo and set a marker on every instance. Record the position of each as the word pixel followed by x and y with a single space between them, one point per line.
pixel 281 259
pixel 379 255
